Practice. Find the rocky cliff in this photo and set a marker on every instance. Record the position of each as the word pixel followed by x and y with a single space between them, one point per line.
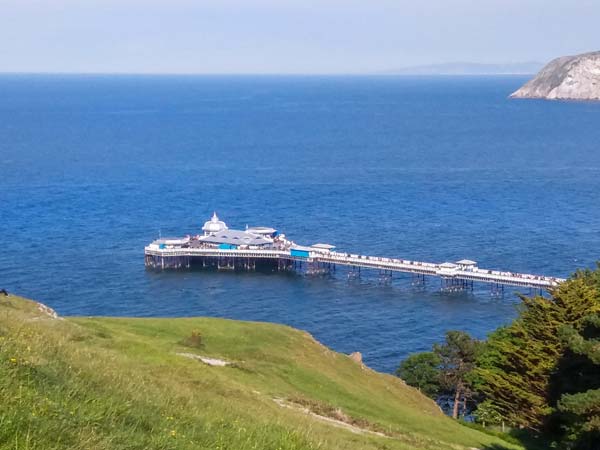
pixel 566 78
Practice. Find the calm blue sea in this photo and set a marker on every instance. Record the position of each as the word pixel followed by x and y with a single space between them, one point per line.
pixel 434 169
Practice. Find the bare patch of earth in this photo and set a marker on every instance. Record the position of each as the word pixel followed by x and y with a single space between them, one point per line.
pixel 338 422
pixel 209 361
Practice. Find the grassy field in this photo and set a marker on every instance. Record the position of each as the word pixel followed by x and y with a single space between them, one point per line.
pixel 111 383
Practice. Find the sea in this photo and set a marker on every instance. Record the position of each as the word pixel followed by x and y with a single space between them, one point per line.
pixel 94 167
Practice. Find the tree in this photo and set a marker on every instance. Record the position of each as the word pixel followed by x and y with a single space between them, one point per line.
pixel 457 355
pixel 445 369
pixel 518 367
pixel 487 413
pixel 421 370
pixel 580 406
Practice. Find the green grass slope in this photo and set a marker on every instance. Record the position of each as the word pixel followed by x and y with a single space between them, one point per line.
pixel 106 383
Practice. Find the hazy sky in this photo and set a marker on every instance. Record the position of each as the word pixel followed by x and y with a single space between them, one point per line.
pixel 287 36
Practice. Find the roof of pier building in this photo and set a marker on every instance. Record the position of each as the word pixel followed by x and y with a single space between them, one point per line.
pixel 236 237
pixel 466 262
pixel 172 240
pixel 214 225
pixel 323 246
pixel 262 230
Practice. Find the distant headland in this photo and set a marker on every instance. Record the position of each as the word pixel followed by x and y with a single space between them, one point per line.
pixel 566 78
pixel 469 68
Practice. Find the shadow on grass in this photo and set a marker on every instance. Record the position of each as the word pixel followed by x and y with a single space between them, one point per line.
pixel 527 442
pixel 512 437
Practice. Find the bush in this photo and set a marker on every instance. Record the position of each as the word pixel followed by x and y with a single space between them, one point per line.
pixel 193 340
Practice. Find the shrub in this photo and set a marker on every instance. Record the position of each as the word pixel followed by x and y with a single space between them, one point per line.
pixel 193 340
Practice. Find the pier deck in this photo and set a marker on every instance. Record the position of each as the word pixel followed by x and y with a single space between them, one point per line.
pixel 263 247
pixel 163 258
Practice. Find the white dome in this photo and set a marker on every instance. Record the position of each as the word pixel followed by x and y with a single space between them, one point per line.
pixel 214 225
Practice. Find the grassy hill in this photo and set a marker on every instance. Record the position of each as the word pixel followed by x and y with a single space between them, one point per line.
pixel 111 383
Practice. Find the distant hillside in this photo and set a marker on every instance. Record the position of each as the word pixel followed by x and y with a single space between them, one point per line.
pixel 566 78
pixel 463 68
pixel 107 383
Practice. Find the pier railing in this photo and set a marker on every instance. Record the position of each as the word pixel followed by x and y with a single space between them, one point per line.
pixel 424 268
pixel 241 253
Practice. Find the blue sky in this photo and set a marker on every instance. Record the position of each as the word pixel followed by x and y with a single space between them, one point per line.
pixel 293 36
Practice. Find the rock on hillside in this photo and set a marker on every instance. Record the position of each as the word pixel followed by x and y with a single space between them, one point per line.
pixel 566 78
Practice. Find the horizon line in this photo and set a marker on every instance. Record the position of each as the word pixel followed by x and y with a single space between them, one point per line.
pixel 266 74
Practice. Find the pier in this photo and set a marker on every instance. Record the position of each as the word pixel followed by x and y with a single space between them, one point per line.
pixel 264 248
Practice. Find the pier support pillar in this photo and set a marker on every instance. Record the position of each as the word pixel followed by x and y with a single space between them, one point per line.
pixel 385 277
pixel 418 280
pixel 354 273
pixel 284 265
pixel 497 290
pixel 318 268
pixel 454 284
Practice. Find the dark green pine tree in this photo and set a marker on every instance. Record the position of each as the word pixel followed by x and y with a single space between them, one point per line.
pixel 516 368
pixel 579 404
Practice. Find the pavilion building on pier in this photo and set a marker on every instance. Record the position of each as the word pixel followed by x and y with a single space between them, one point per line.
pixel 216 234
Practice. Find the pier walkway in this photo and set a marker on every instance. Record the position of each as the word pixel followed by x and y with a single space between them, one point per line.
pixel 464 270
pixel 461 270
